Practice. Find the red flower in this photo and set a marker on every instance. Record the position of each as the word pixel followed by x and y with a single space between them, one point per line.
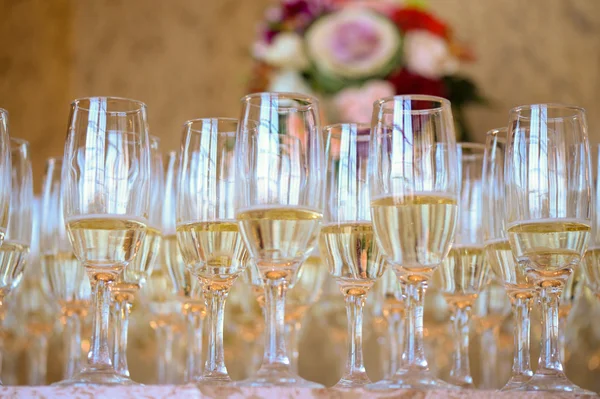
pixel 409 83
pixel 408 19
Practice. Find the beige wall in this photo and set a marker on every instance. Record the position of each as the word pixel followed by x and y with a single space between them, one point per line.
pixel 190 58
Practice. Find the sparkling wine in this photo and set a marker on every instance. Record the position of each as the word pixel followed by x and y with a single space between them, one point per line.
pixel 307 287
pixel 279 238
pixel 549 246
pixel 415 232
pixel 504 266
pixel 138 271
pixel 213 251
pixel 13 255
pixel 65 277
pixel 105 243
pixel 352 255
pixel 463 274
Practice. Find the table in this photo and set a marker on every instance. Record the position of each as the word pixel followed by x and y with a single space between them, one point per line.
pixel 192 392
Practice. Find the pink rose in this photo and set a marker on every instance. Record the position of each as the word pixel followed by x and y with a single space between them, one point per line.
pixel 356 104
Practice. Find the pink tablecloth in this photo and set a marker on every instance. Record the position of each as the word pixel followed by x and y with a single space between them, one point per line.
pixel 191 392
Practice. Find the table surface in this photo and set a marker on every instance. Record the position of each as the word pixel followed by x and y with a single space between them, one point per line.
pixel 192 392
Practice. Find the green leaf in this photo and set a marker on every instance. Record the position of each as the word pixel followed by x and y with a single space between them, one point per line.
pixel 463 91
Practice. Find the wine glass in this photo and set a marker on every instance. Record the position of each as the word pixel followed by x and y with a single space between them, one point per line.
pixel 393 313
pixel 134 276
pixel 279 194
pixel 464 273
pixel 548 215
pixel 208 234
pixel 570 295
pixel 518 286
pixel 305 292
pixel 591 261
pixel 105 176
pixel 187 287
pixel 347 238
pixel 414 181
pixel 5 174
pixel 489 313
pixel 159 298
pixel 68 283
pixel 17 238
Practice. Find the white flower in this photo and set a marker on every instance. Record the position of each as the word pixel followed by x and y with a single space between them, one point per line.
pixel 289 80
pixel 286 51
pixel 354 42
pixel 428 55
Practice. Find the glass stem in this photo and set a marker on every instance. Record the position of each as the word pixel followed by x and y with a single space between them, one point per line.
pixel 293 333
pixel 355 367
pixel 122 309
pixel 397 339
pixel 461 372
pixel 37 360
pixel 521 368
pixel 549 361
pixel 562 322
pixel 2 314
pixel 215 361
pixel 413 354
pixel 72 344
pixel 99 355
pixel 489 357
pixel 164 347
pixel 275 352
pixel 194 351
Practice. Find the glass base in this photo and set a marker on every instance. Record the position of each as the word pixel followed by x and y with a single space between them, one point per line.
pixel 555 381
pixel 277 376
pixel 213 379
pixel 515 381
pixel 353 381
pixel 96 376
pixel 462 383
pixel 407 379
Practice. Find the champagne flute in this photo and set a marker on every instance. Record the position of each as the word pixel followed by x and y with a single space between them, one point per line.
pixel 548 215
pixel 17 239
pixel 105 173
pixel 393 313
pixel 305 292
pixel 208 234
pixel 134 276
pixel 347 236
pixel 570 295
pixel 591 261
pixel 5 175
pixel 464 273
pixel 519 287
pixel 186 286
pixel 34 311
pixel 279 193
pixel 490 310
pixel 159 297
pixel 68 283
pixel 414 183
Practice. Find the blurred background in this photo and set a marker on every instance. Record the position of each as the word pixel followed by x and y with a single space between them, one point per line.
pixel 191 58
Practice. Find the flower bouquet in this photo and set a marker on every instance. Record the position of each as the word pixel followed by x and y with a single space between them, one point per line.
pixel 350 53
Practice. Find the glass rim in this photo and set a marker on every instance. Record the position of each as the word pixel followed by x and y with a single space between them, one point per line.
pixel 3 113
pixel 54 159
pixel 577 110
pixel 469 145
pixel 312 101
pixel 329 129
pixel 496 133
pixel 140 104
pixel 444 102
pixel 188 125
pixel 19 141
